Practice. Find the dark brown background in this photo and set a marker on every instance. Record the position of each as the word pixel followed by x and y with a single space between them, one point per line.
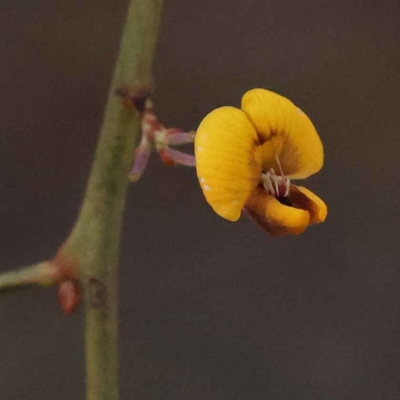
pixel 210 310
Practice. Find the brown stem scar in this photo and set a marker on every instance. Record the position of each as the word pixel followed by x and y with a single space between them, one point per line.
pixel 136 98
pixel 97 293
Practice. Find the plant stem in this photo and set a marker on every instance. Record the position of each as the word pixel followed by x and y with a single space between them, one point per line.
pixel 37 274
pixel 95 239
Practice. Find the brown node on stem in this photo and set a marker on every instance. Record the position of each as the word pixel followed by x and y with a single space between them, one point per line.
pixel 134 97
pixel 67 266
pixel 67 275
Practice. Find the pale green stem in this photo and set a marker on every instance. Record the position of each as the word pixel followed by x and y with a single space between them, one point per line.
pixel 95 239
pixel 37 274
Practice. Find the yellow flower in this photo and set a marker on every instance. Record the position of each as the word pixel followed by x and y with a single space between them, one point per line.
pixel 245 158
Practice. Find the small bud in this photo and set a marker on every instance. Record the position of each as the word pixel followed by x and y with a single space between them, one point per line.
pixel 69 295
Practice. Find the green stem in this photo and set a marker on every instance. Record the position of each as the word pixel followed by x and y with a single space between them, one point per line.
pixel 42 273
pixel 95 239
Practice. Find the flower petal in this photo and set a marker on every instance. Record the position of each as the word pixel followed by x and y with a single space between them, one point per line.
pixel 285 131
pixel 303 198
pixel 275 217
pixel 226 162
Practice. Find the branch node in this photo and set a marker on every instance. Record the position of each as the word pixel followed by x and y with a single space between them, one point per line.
pixel 134 98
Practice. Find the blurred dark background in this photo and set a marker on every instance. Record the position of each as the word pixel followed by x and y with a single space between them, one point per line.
pixel 210 310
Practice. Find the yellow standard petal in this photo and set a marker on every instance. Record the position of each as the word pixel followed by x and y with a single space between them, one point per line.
pixel 275 217
pixel 285 131
pixel 227 169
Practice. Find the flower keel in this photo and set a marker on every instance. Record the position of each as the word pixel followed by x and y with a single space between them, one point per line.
pixel 288 216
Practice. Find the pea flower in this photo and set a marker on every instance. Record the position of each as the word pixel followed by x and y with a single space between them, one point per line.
pixel 246 157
